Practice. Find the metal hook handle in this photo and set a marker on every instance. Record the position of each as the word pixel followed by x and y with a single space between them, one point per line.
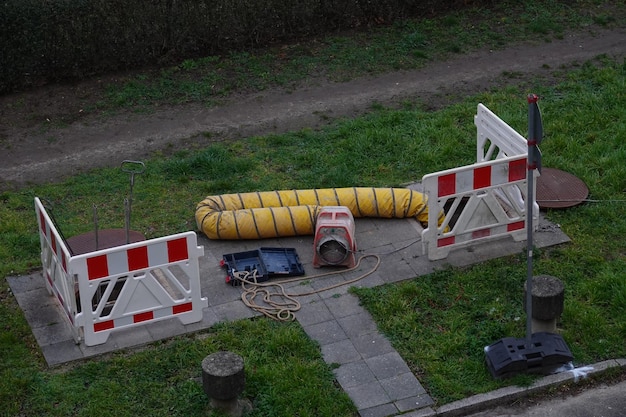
pixel 133 167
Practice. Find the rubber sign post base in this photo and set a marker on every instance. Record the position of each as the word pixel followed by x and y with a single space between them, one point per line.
pixel 512 356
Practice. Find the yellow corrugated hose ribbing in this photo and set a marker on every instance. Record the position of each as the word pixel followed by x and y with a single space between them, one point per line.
pixel 259 215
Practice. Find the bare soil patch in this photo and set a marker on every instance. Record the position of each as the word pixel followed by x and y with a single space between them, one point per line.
pixel 44 136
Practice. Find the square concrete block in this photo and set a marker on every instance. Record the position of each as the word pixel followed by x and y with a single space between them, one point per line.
pixel 354 373
pixel 368 395
pixel 358 324
pixel 402 386
pixel 383 410
pixel 54 333
pixel 326 332
pixel 234 310
pixel 388 365
pixel 341 352
pixel 343 305
pixel 62 352
pixel 23 283
pixel 372 344
pixel 313 312
pixel 419 402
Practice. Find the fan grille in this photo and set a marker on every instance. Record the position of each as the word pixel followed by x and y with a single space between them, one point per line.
pixel 333 251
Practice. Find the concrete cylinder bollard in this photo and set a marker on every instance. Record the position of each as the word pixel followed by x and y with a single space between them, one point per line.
pixel 223 379
pixel 548 297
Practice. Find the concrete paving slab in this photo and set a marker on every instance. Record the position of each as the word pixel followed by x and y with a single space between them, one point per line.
pixel 22 284
pixel 165 328
pixel 209 318
pixel 388 365
pixel 354 373
pixel 371 281
pixel 422 412
pixel 319 284
pixel 382 410
pixel 368 395
pixel 358 324
pixel 130 337
pixel 420 401
pixel 233 311
pixel 46 315
pixel 341 352
pixel 402 386
pixel 394 269
pixel 326 332
pixel 372 344
pixel 53 333
pixel 313 312
pixel 62 351
pixel 343 305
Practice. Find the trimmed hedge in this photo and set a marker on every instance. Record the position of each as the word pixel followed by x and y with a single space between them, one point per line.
pixel 45 41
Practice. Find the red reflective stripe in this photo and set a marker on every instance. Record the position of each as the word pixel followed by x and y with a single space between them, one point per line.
pixel 60 298
pixel 138 318
pixel 177 250
pixel 446 241
pixel 182 308
pixel 482 177
pixel 514 226
pixel 42 220
pixel 53 241
pixel 137 258
pixel 446 184
pixel 103 325
pixel 97 267
pixel 517 170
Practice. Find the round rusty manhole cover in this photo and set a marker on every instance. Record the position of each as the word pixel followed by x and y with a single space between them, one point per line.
pixel 559 189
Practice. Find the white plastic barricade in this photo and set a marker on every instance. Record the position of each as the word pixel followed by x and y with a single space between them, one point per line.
pixel 124 286
pixel 494 138
pixel 480 201
pixel 55 259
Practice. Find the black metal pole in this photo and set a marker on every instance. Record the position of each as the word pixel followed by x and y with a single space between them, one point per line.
pixel 530 180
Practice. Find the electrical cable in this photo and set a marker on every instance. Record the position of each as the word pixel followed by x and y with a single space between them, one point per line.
pixel 586 200
pixel 279 304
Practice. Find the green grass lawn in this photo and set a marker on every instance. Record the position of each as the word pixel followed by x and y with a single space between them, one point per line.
pixel 439 323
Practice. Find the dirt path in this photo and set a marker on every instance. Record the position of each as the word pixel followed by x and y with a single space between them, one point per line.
pixel 32 154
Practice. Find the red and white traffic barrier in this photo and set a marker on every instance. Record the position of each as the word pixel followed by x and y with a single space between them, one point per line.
pixel 55 257
pixel 124 286
pixel 484 200
pixel 494 138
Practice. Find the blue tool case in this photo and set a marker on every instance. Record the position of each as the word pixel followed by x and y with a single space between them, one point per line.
pixel 267 262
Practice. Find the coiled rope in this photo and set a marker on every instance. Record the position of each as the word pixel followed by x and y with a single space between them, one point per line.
pixel 277 303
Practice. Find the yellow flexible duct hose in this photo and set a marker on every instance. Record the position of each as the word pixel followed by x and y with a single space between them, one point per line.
pixel 267 214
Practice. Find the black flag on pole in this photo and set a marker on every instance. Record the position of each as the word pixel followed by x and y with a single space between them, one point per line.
pixel 535 132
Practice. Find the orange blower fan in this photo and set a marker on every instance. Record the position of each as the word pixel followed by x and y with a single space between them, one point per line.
pixel 334 241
